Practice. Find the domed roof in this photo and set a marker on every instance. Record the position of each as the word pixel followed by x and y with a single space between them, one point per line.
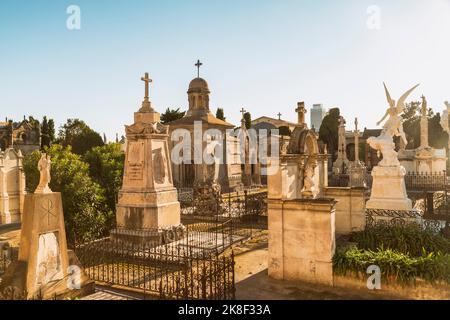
pixel 198 83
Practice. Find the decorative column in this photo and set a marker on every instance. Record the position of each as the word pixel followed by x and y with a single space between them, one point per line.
pixel 301 111
pixel 424 125
pixel 356 135
pixel 357 178
pixel 22 183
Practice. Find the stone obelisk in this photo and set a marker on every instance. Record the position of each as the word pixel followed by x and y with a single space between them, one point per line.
pixel 148 211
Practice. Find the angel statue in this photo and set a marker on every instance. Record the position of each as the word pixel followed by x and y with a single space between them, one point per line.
pixel 393 127
pixel 44 166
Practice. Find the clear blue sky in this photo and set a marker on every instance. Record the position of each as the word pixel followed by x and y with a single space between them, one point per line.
pixel 257 54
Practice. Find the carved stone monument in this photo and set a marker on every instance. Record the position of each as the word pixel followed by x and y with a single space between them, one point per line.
pixel 148 206
pixel 12 186
pixel 423 159
pixel 341 165
pixel 388 186
pixel 42 269
pixel 301 220
pixel 357 171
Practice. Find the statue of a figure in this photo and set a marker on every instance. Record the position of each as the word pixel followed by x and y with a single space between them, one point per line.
pixel 44 166
pixel 309 189
pixel 424 110
pixel 393 127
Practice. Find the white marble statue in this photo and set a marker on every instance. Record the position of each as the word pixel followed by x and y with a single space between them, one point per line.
pixel 393 127
pixel 44 166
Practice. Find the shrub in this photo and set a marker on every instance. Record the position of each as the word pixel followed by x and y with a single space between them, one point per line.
pixel 402 268
pixel 87 215
pixel 409 239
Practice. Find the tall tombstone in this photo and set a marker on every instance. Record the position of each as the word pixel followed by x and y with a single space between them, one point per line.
pixel 341 164
pixel 12 186
pixel 42 270
pixel 301 221
pixel 357 171
pixel 148 210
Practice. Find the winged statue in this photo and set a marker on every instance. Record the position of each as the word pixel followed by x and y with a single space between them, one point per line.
pixel 393 127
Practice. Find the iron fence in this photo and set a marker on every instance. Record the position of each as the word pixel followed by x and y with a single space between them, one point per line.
pixel 340 180
pixel 426 181
pixel 245 211
pixel 376 217
pixel 165 272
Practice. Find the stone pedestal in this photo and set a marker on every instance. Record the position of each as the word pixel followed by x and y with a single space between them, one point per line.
pixel 388 189
pixel 43 265
pixel 302 240
pixel 148 205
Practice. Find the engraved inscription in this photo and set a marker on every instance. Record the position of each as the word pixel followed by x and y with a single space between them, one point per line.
pixel 136 161
pixel 47 213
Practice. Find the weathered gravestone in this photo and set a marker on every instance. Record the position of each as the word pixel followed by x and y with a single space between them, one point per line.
pixel 148 210
pixel 42 270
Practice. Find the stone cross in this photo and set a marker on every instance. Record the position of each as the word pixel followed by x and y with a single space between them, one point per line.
pixel 279 115
pixel 301 110
pixel 198 65
pixel 147 81
pixel 243 111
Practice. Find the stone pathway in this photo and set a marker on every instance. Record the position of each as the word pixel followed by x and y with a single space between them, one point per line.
pixel 105 294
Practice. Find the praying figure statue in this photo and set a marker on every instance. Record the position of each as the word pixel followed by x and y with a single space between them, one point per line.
pixel 44 166
pixel 393 127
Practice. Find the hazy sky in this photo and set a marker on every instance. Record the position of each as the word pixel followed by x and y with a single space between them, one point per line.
pixel 257 54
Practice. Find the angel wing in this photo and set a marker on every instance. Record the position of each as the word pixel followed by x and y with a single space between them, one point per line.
pixel 401 101
pixel 388 96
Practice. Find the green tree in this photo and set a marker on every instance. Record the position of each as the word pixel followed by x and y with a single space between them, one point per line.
pixel 248 120
pixel 106 165
pixel 86 213
pixel 47 132
pixel 77 134
pixel 220 114
pixel 171 115
pixel 328 132
pixel 411 125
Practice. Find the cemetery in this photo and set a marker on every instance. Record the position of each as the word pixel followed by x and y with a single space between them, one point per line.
pixel 322 220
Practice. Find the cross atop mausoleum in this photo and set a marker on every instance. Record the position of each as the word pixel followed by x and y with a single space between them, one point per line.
pixel 198 65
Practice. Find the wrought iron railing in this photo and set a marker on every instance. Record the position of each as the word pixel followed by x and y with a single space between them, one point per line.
pixel 162 272
pixel 426 181
pixel 376 217
pixel 247 212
